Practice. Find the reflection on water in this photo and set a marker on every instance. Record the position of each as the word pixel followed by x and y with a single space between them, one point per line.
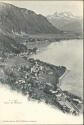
pixel 70 54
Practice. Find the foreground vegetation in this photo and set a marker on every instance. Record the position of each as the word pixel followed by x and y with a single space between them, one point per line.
pixel 40 81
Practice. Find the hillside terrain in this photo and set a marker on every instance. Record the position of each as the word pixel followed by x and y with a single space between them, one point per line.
pixel 22 34
pixel 9 45
pixel 21 21
pixel 40 81
pixel 19 27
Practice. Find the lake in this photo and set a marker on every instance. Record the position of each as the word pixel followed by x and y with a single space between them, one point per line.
pixel 67 53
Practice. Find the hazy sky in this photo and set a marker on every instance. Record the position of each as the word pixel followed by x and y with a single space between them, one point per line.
pixel 48 7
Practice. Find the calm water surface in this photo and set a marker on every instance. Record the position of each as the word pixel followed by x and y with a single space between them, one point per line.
pixel 68 53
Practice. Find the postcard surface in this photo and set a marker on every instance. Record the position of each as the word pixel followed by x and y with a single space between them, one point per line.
pixel 41 62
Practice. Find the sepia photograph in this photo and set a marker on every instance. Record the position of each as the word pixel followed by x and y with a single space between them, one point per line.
pixel 41 62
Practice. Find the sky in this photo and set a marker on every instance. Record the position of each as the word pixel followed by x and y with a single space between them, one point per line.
pixel 49 7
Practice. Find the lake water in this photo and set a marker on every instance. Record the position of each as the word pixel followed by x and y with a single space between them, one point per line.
pixel 67 53
pixel 15 107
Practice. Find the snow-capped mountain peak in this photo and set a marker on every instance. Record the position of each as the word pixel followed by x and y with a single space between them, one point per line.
pixel 65 14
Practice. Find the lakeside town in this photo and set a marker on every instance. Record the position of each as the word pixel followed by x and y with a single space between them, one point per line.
pixel 23 35
pixel 38 81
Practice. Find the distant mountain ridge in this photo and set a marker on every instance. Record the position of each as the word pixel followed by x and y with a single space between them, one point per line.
pixel 66 21
pixel 20 20
pixel 15 22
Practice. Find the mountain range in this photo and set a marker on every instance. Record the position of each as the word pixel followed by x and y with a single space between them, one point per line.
pixel 20 20
pixel 15 21
pixel 66 21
